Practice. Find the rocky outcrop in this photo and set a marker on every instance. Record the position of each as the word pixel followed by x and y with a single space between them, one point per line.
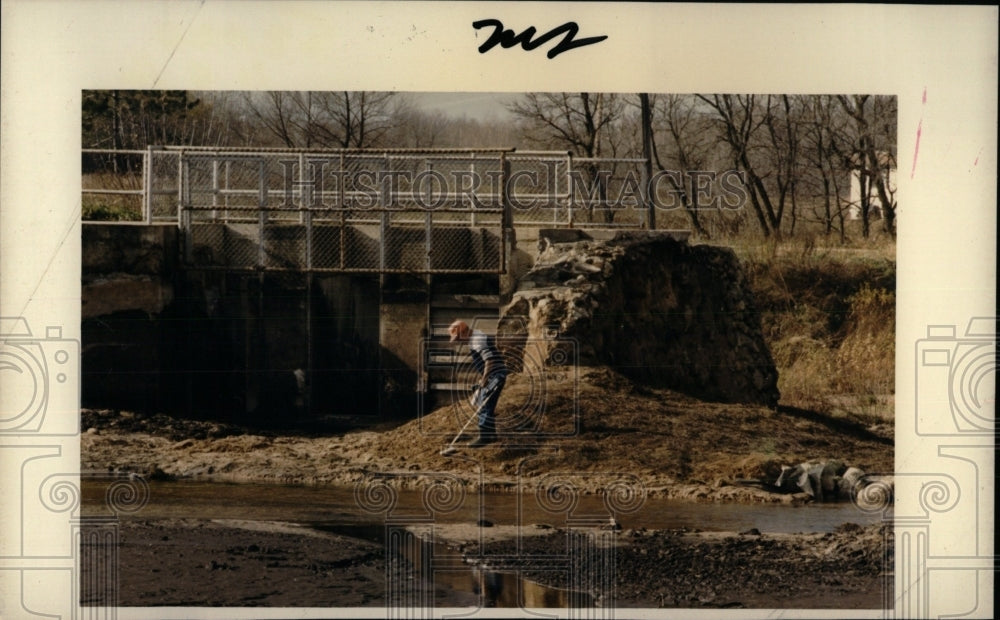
pixel 655 309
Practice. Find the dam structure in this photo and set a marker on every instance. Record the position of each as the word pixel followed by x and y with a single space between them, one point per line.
pixel 281 285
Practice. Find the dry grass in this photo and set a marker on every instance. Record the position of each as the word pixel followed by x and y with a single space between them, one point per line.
pixel 111 207
pixel 828 315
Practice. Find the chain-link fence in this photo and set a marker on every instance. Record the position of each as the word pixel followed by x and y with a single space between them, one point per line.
pixel 428 211
pixel 558 190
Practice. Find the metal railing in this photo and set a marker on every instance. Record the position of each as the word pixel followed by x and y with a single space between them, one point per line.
pixel 384 211
pixel 544 188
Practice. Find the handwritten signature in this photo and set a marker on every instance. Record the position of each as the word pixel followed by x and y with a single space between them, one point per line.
pixel 507 38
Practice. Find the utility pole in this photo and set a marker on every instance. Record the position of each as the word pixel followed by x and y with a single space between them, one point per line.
pixel 647 154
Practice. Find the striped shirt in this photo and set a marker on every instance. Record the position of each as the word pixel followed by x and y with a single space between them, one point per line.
pixel 483 349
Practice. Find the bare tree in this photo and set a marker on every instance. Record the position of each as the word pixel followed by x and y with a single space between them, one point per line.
pixel 577 122
pixel 230 123
pixel 781 120
pixel 824 141
pixel 739 121
pixel 418 129
pixel 349 119
pixel 134 119
pixel 874 152
pixel 433 129
pixel 678 125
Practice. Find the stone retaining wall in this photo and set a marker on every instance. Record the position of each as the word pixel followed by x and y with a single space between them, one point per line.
pixel 653 308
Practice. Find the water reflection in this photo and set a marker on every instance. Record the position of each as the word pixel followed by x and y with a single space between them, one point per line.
pixel 421 571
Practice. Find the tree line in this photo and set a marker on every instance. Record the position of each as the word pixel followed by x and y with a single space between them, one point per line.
pixel 797 154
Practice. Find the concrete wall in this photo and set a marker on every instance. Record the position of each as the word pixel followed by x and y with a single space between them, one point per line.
pixel 220 343
pixel 402 327
pixel 127 283
pixel 225 342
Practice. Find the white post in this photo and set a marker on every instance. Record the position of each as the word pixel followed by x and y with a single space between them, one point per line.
pixel 569 189
pixel 180 187
pixel 215 187
pixel 472 202
pixel 147 185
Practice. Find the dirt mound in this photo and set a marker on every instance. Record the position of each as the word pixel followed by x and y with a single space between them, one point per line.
pixel 158 424
pixel 674 444
pixel 597 427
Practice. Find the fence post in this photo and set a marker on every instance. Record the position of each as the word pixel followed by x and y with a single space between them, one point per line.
pixel 555 196
pixel 569 189
pixel 304 204
pixel 215 187
pixel 507 216
pixel 649 216
pixel 341 192
pixel 428 228
pixel 184 216
pixel 261 212
pixel 646 112
pixel 180 187
pixel 225 195
pixel 472 202
pixel 306 214
pixel 147 185
pixel 386 197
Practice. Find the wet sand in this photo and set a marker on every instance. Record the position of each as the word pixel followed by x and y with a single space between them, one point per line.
pixel 207 563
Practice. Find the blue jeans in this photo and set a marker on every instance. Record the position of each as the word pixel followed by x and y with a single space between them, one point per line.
pixel 486 402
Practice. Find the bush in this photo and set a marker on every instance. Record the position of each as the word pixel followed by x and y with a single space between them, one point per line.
pixel 101 211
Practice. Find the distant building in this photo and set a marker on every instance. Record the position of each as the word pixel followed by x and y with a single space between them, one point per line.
pixel 887 166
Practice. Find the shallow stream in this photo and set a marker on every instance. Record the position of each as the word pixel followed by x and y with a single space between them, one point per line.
pixel 335 509
pixel 337 505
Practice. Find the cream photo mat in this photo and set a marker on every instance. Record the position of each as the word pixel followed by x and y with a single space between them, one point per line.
pixel 941 63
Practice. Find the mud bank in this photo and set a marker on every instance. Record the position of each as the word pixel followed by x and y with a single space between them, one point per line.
pixel 185 562
pixel 671 445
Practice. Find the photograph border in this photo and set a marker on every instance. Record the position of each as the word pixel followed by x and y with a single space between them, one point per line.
pixel 941 63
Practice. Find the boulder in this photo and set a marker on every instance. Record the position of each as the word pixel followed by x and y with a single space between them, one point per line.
pixel 651 307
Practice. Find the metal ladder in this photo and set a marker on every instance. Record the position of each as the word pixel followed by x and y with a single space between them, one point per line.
pixel 449 371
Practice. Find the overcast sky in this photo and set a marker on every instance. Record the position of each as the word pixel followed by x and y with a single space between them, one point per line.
pixel 478 106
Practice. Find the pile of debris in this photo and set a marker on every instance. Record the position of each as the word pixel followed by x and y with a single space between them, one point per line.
pixel 830 481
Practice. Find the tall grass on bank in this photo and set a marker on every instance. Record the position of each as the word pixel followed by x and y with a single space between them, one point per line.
pixel 111 207
pixel 829 317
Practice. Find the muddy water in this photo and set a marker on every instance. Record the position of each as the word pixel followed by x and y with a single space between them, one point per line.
pixel 336 505
pixel 336 510
pixel 497 588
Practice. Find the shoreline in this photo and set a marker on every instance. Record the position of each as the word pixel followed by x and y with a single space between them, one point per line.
pixel 309 461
